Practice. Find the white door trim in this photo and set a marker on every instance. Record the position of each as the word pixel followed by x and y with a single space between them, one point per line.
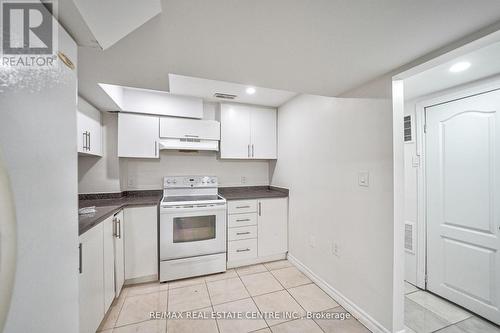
pixel 476 88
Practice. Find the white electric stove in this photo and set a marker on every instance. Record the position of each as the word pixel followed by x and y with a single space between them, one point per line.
pixel 192 230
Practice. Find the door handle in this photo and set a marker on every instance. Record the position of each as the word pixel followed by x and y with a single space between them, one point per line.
pixel 114 227
pixel 260 209
pixel 243 220
pixel 243 233
pixel 119 229
pixel 240 207
pixel 80 264
pixel 84 143
pixel 243 250
pixel 89 141
pixel 156 148
pixel 248 152
pixel 253 155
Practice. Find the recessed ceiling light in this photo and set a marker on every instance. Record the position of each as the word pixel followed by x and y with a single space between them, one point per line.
pixel 460 66
pixel 250 90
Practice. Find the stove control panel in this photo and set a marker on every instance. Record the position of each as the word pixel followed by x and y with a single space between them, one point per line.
pixel 190 182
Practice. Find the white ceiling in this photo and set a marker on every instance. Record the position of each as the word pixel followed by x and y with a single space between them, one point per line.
pixel 321 47
pixel 484 62
pixel 193 86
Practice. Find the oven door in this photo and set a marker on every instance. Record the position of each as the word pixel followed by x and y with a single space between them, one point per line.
pixel 192 231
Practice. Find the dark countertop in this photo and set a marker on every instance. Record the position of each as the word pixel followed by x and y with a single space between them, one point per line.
pixel 252 192
pixel 110 203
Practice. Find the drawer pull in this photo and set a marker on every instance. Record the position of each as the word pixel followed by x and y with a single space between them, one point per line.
pixel 243 220
pixel 241 207
pixel 243 250
pixel 243 233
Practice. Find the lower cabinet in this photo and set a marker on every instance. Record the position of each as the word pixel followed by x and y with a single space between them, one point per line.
pixel 101 271
pixel 141 243
pixel 257 231
pixel 91 283
pixel 119 254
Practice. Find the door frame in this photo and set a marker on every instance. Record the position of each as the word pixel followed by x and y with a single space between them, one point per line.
pixel 454 94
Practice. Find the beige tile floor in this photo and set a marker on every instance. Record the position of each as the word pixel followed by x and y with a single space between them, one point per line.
pixel 426 313
pixel 276 286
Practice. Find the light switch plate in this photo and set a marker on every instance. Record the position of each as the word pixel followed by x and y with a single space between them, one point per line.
pixel 364 178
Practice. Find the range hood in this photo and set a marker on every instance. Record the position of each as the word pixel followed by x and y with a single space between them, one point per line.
pixel 189 134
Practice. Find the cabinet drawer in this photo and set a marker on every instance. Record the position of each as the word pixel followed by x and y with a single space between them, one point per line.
pixel 242 233
pixel 240 220
pixel 242 249
pixel 242 206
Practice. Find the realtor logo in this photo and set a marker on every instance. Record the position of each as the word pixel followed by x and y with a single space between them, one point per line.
pixel 27 28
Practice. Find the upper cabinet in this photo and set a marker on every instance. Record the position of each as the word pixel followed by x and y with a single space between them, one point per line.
pixel 137 100
pixel 138 135
pixel 248 132
pixel 89 129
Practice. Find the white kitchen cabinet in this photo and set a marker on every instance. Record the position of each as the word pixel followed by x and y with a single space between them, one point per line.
pixel 141 242
pixel 91 283
pixel 119 254
pixel 248 132
pixel 263 133
pixel 89 129
pixel 109 227
pixel 257 231
pixel 138 135
pixel 235 131
pixel 272 226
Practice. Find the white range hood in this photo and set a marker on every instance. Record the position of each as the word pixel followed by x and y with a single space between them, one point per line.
pixel 189 134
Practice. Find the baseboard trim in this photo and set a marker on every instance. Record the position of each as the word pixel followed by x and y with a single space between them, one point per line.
pixel 142 279
pixel 372 324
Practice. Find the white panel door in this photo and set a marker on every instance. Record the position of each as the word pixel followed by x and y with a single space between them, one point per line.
pixel 91 286
pixel 263 133
pixel 235 131
pixel 109 262
pixel 141 242
pixel 272 226
pixel 119 254
pixel 463 202
pixel 138 135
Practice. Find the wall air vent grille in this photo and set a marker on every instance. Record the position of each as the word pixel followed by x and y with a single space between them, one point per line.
pixel 410 237
pixel 407 127
pixel 224 96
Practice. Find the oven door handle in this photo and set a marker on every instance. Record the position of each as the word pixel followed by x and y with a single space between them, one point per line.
pixel 193 208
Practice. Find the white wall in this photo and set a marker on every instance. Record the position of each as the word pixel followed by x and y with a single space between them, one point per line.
pixel 112 174
pixel 102 174
pixel 410 198
pixel 323 144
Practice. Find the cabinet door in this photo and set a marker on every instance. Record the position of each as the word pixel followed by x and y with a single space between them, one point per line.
pixel 272 222
pixel 109 262
pixel 235 131
pixel 119 254
pixel 138 135
pixel 91 285
pixel 263 133
pixel 141 242
pixel 89 129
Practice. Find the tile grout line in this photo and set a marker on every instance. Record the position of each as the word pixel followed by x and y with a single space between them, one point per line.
pixel 251 297
pixel 212 304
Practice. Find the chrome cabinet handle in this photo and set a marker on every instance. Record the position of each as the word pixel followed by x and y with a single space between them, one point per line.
pixel 89 141
pixel 84 143
pixel 243 233
pixel 114 227
pixel 240 207
pixel 260 209
pixel 253 155
pixel 191 136
pixel 243 250
pixel 119 229
pixel 248 153
pixel 243 220
pixel 156 148
pixel 80 263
